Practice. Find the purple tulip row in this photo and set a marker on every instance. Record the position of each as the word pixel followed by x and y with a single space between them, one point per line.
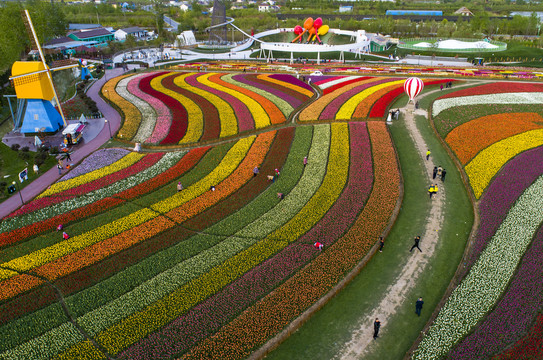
pixel 291 80
pixel 515 312
pixel 288 98
pixel 207 317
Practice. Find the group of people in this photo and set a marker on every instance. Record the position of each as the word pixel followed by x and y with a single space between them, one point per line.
pixel 447 85
pixel 439 172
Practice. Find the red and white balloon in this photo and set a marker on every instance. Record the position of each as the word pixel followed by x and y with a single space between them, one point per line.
pixel 412 87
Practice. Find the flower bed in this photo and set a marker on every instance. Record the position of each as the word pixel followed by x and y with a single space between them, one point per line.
pixel 335 85
pixel 164 115
pixel 287 88
pixel 292 83
pixel 488 278
pixel 149 115
pixel 131 123
pixel 505 98
pixel 496 88
pixel 468 139
pixel 529 347
pixel 489 161
pixel 130 113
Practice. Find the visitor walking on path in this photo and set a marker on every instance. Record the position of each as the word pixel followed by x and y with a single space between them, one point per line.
pixel 416 244
pixel 418 306
pixel 428 152
pixel 434 172
pixel 381 243
pixel 431 190
pixel 59 167
pixel 443 173
pixel 376 327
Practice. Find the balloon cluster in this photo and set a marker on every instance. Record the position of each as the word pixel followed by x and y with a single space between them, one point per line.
pixel 314 28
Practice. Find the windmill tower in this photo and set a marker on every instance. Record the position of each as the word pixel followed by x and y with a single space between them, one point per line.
pixel 33 82
pixel 218 34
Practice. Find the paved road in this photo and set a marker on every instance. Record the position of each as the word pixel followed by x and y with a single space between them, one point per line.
pixel 49 177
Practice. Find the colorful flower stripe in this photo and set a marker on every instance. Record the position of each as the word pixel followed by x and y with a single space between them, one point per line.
pixel 278 102
pixel 529 347
pixel 245 119
pixel 239 177
pixel 292 83
pixel 195 117
pixel 363 109
pixel 343 94
pixel 347 109
pixel 496 88
pixel 80 280
pixel 274 107
pixel 326 79
pixel 187 294
pixel 488 278
pixel 123 163
pixel 164 115
pixel 179 117
pixel 258 113
pixel 206 318
pixel 96 160
pixel 271 314
pixel 514 313
pixel 144 163
pixel 165 162
pixel 130 112
pixel 488 162
pixel 265 80
pixel 331 87
pixel 468 139
pixel 42 256
pixel 380 107
pixel 149 115
pixel 227 109
pixel 210 122
pixel 501 195
pixel 506 98
pixel 131 123
pixel 293 98
pixel 59 266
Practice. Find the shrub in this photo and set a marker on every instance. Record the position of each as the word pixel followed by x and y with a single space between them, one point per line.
pixel 15 147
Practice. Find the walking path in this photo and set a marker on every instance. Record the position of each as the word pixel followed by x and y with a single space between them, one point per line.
pixel 80 151
pixel 396 293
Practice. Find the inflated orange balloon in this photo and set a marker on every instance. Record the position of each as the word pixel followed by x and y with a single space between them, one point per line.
pixel 308 24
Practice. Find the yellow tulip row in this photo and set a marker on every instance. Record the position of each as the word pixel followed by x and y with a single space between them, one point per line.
pixel 346 110
pixel 138 325
pixel 195 127
pixel 42 256
pixel 229 123
pixel 260 116
pixel 123 163
pixel 489 161
pixel 132 116
pixel 195 117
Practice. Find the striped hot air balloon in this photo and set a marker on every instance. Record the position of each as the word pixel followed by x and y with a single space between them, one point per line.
pixel 412 87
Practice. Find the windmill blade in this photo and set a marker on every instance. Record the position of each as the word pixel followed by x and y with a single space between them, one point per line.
pixel 30 30
pixel 34 37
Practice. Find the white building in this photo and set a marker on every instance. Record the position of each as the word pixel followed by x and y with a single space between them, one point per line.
pixel 135 31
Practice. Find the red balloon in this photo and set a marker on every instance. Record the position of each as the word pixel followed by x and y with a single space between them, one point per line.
pixel 298 29
pixel 317 23
pixel 412 87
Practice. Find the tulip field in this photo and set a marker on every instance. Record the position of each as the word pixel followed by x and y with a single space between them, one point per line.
pixel 217 268
pixel 500 296
pixel 170 108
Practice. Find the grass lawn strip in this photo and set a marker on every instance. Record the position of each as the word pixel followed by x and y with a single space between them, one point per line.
pixel 123 334
pixel 202 320
pixel 195 116
pixel 211 121
pixel 281 104
pixel 115 286
pixel 489 161
pixel 164 163
pixel 308 285
pixel 488 278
